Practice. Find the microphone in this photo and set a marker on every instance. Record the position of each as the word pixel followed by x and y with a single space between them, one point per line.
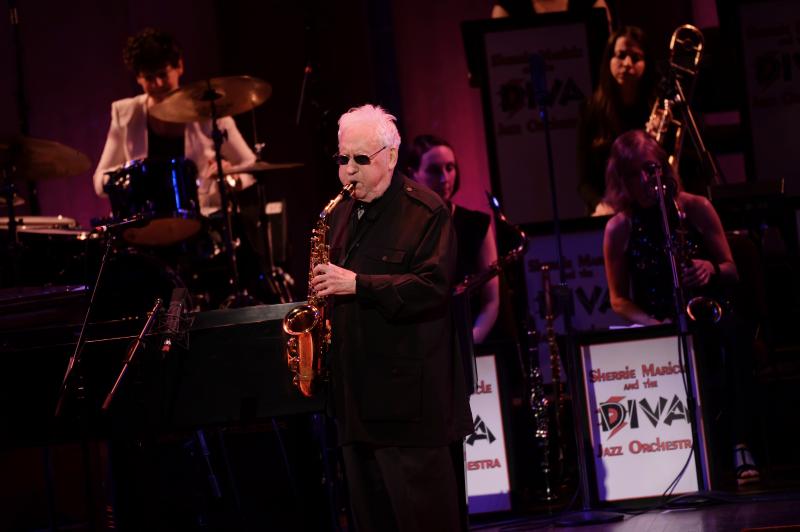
pixel 137 220
pixel 172 321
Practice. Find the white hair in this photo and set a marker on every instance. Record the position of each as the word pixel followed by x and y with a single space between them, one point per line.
pixel 384 123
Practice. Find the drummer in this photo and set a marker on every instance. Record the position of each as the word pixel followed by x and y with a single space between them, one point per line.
pixel 156 60
pixel 135 133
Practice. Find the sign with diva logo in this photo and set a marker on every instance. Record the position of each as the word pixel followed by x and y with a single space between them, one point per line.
pixel 487 465
pixel 640 428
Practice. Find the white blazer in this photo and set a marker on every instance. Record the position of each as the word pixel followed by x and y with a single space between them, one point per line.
pixel 127 141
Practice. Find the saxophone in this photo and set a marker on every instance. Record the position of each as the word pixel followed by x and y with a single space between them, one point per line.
pixel 475 281
pixel 700 308
pixel 539 405
pixel 556 405
pixel 308 326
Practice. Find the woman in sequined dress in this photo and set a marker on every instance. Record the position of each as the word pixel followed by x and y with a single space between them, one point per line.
pixel 640 280
pixel 637 269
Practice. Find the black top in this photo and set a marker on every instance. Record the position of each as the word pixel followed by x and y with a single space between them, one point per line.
pixel 648 262
pixel 524 8
pixel 471 228
pixel 163 147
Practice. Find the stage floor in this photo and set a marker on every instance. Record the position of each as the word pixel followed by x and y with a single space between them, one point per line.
pixel 724 512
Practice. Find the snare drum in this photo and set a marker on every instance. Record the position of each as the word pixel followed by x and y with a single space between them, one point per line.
pixel 165 192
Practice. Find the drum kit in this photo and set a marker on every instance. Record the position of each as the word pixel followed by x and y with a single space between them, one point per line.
pixel 154 203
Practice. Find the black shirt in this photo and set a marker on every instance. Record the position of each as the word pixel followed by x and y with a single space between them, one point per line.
pixel 163 147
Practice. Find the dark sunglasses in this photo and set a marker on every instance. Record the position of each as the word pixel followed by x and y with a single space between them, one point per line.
pixel 361 160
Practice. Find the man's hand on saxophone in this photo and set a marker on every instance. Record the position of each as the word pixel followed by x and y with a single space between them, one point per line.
pixel 332 280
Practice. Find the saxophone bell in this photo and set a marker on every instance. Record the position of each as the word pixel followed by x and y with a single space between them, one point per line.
pixel 702 309
pixel 307 327
pixel 301 320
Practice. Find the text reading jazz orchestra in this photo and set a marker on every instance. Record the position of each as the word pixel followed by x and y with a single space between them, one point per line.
pixel 638 447
pixel 648 370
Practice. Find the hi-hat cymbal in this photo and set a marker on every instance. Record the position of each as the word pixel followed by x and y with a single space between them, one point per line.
pixel 18 201
pixel 38 159
pixel 261 166
pixel 231 95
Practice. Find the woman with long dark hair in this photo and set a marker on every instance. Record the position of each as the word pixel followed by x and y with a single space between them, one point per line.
pixel 622 101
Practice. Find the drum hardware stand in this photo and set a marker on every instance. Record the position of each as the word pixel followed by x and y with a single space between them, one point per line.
pixel 151 319
pixel 12 245
pixel 258 147
pixel 586 516
pixel 22 101
pixel 239 297
pixel 280 282
pixel 7 191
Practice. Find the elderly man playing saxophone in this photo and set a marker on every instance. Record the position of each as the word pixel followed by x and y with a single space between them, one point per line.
pixel 397 385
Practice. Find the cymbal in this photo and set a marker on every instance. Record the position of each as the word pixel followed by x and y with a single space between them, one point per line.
pixel 231 95
pixel 18 201
pixel 261 166
pixel 38 159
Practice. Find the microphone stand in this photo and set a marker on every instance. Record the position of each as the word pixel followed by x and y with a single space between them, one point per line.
pixel 306 74
pixel 586 516
pixel 75 359
pixel 654 173
pixel 139 340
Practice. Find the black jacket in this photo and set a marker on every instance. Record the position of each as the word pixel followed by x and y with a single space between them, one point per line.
pixel 396 376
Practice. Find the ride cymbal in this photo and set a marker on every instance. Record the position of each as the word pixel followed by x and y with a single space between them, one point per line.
pixel 39 159
pixel 231 95
pixel 18 201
